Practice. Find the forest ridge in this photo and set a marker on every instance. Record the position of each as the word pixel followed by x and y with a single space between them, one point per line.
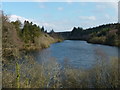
pixel 104 34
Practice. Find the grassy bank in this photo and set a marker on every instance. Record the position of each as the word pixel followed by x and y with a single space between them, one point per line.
pixel 44 41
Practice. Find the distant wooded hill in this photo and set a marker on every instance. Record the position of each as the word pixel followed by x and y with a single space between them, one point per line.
pixel 105 34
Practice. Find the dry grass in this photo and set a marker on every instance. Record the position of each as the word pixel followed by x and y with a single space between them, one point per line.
pixel 30 74
pixel 98 77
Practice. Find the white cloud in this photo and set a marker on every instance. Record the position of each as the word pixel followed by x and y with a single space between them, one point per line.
pixel 47 25
pixel 42 6
pixel 69 1
pixel 88 18
pixel 15 17
pixel 22 19
pixel 114 5
pixel 107 16
pixel 69 29
pixel 60 8
pixel 103 6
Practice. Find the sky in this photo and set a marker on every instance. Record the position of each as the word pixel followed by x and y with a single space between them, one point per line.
pixel 63 16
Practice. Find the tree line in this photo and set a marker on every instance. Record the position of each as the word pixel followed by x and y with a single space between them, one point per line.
pixel 103 34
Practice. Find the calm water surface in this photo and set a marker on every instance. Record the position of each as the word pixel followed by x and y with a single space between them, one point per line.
pixel 78 54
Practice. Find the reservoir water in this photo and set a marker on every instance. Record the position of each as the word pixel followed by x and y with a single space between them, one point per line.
pixel 77 54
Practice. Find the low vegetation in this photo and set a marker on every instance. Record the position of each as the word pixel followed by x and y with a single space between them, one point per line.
pixel 107 35
pixel 50 74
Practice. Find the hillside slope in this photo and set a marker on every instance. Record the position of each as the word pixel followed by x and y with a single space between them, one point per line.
pixel 16 39
pixel 105 34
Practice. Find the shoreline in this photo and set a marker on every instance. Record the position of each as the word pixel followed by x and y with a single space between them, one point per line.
pixel 33 48
pixel 93 42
